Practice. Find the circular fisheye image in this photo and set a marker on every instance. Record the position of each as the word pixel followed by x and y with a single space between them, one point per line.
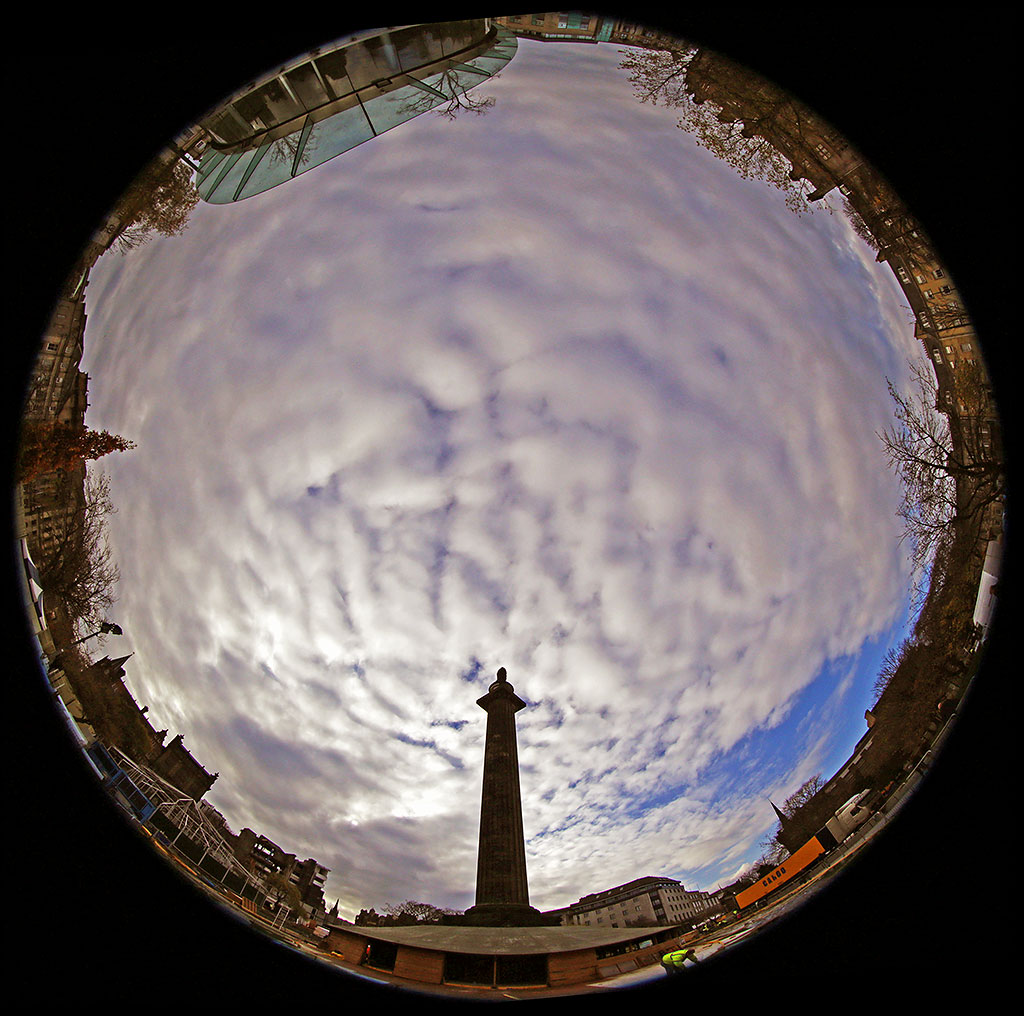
pixel 507 508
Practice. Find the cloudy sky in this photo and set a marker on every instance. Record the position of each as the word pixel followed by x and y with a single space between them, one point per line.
pixel 550 389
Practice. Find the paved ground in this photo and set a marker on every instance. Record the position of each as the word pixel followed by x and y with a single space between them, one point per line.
pixel 728 937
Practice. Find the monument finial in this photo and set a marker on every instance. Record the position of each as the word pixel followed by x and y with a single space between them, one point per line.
pixel 502 676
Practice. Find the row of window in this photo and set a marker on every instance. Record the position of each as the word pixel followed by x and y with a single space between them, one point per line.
pixel 581 21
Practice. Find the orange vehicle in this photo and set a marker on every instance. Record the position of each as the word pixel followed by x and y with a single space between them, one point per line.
pixel 847 818
pixel 780 875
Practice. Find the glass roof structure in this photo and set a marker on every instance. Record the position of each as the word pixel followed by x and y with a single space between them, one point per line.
pixel 338 97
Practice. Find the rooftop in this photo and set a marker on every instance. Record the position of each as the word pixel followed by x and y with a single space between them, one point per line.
pixel 506 941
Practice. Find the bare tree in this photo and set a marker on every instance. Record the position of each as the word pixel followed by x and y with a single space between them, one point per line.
pixel 753 126
pixel 413 912
pixel 458 98
pixel 891 664
pixel 286 150
pixel 77 566
pixel 281 891
pixel 947 455
pixel 158 201
pixel 802 795
pixel 773 853
pixel 659 75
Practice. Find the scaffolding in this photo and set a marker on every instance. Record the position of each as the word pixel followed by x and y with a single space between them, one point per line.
pixel 185 815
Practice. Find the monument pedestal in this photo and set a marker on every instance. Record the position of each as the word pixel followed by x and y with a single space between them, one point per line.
pixel 506 915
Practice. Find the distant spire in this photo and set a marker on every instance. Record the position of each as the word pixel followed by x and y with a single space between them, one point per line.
pixel 782 818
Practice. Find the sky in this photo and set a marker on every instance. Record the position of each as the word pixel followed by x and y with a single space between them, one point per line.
pixel 548 388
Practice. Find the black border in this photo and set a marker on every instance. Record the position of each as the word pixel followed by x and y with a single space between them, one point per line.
pixel 926 96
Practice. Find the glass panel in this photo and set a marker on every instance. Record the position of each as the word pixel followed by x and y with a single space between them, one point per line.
pixel 415 47
pixel 268 106
pixel 427 89
pixel 210 161
pixel 457 35
pixel 355 65
pixel 299 150
pixel 257 158
pixel 307 87
pixel 493 60
pixel 227 126
pixel 327 139
pixel 476 69
pixel 392 108
pixel 274 167
pixel 445 83
pixel 219 186
pixel 370 61
pixel 333 67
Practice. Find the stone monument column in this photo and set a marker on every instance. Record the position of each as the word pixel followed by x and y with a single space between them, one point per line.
pixel 502 894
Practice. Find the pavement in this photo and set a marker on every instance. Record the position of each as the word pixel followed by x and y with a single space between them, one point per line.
pixel 715 942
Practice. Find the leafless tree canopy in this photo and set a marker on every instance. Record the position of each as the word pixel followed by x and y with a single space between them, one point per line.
pixel 948 462
pixel 802 795
pixel 459 97
pixel 660 75
pixel 418 912
pixel 78 568
pixel 747 142
pixel 772 850
pixel 160 200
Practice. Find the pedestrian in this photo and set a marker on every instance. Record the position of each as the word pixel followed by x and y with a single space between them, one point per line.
pixel 674 961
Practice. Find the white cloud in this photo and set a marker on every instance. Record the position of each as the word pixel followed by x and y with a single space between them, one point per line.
pixel 548 389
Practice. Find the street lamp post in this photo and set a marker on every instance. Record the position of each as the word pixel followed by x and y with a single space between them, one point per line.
pixel 105 628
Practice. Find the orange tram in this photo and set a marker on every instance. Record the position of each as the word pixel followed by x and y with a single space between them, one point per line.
pixel 848 818
pixel 788 870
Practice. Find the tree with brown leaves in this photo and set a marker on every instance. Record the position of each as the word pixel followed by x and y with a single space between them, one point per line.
pixel 47 447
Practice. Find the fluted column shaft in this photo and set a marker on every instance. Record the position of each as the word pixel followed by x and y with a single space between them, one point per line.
pixel 501 861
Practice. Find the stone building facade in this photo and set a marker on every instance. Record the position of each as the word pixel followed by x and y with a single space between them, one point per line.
pixel 643 902
pixel 264 858
pixel 119 722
